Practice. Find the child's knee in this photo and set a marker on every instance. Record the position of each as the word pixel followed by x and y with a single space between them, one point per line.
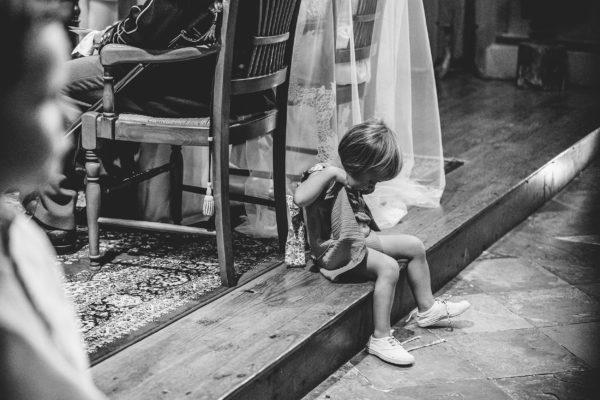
pixel 389 270
pixel 416 247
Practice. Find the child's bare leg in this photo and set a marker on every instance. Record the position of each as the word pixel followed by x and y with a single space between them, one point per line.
pixel 419 279
pixel 384 269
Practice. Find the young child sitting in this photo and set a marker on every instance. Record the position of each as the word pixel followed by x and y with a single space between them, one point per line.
pixel 340 230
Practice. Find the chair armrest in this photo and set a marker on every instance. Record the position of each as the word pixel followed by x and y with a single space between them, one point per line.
pixel 114 54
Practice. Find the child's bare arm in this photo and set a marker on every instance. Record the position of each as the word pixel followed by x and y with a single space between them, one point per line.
pixel 309 190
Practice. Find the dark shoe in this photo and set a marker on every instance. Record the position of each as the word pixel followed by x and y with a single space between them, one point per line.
pixel 62 240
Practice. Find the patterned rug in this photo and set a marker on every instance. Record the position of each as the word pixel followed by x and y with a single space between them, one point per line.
pixel 150 280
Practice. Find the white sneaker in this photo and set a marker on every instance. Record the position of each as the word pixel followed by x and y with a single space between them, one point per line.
pixel 390 350
pixel 441 309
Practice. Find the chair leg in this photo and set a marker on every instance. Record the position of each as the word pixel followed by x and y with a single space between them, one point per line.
pixel 279 188
pixel 224 241
pixel 176 162
pixel 92 196
pixel 222 211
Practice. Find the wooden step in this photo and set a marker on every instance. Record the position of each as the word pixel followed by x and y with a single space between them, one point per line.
pixel 279 335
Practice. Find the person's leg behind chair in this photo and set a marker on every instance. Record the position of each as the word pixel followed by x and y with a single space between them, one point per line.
pixel 53 206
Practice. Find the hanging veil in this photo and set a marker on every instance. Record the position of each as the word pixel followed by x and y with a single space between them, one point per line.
pixel 353 60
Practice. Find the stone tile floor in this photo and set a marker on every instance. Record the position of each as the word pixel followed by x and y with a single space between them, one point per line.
pixel 533 331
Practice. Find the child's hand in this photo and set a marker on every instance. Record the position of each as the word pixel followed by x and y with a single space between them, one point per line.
pixel 88 43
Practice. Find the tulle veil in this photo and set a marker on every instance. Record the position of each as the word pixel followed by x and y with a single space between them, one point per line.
pixel 353 60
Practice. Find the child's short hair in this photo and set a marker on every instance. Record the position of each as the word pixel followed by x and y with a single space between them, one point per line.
pixel 371 147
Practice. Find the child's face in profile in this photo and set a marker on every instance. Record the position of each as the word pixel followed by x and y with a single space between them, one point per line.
pixel 363 182
pixel 36 124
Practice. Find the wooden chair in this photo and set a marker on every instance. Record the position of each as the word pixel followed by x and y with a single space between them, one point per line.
pixel 267 68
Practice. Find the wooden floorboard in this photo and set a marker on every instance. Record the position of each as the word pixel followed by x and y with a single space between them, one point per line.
pixel 503 134
pixel 278 335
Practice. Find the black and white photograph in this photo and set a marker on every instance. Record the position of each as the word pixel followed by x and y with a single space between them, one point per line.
pixel 300 199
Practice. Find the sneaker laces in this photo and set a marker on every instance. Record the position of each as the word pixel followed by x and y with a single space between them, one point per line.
pixel 411 315
pixel 443 300
pixel 392 341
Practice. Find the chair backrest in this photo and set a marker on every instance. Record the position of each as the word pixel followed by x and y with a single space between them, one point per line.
pixel 255 62
pixel 257 59
pixel 272 35
pixel 262 51
pixel 363 21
